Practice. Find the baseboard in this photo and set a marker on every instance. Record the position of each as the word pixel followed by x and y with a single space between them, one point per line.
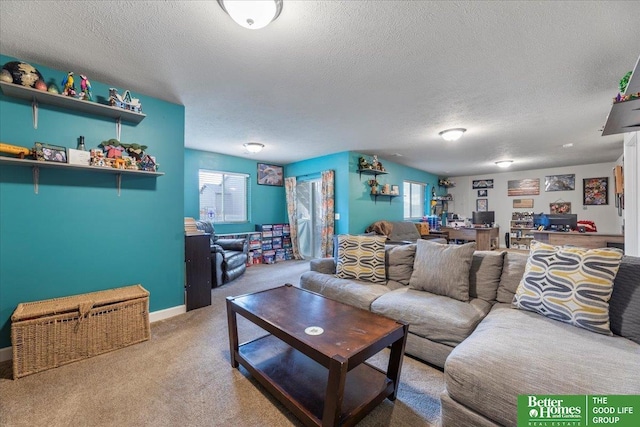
pixel 7 353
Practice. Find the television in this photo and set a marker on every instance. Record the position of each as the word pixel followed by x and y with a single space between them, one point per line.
pixel 556 222
pixel 483 218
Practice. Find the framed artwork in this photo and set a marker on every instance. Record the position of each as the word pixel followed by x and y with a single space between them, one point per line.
pixel 50 153
pixel 482 183
pixel 523 203
pixel 560 182
pixel 595 191
pixel 482 193
pixel 482 205
pixel 560 207
pixel 270 175
pixel 523 187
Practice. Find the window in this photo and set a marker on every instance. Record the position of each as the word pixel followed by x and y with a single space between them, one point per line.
pixel 223 196
pixel 413 193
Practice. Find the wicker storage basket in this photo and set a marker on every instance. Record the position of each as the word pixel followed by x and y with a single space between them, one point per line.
pixel 50 333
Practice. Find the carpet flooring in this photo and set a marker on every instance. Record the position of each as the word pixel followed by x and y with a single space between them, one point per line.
pixel 182 377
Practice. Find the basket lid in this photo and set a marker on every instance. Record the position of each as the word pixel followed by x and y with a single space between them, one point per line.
pixel 29 310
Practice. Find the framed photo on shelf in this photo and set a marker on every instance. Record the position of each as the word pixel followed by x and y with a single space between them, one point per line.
pixel 482 183
pixel 482 205
pixel 270 175
pixel 595 191
pixel 560 208
pixel 50 153
pixel 560 182
pixel 482 193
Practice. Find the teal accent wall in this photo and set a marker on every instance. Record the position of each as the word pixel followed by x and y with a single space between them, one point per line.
pixel 353 200
pixel 267 204
pixel 77 235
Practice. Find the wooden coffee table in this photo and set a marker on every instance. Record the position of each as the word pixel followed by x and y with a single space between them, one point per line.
pixel 321 374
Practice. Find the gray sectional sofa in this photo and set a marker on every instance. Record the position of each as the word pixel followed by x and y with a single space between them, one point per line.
pixel 490 351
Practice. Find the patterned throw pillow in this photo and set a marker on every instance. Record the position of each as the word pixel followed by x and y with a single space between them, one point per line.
pixel 569 284
pixel 361 258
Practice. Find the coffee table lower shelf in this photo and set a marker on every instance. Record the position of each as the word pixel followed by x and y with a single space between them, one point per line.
pixel 300 383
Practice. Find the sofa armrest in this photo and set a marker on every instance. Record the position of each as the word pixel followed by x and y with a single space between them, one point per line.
pixel 323 265
pixel 239 245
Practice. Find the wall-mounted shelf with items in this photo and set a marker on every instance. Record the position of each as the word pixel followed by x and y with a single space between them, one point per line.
pixel 41 97
pixel 374 172
pixel 446 183
pixel 390 196
pixel 625 116
pixel 37 164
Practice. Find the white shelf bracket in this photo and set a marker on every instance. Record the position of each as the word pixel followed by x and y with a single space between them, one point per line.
pixel 118 127
pixel 118 182
pixel 34 112
pixel 36 178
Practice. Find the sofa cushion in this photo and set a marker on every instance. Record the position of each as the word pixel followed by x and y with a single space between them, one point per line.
pixel 353 292
pixel 404 231
pixel 570 284
pixel 484 275
pixel 399 261
pixel 439 318
pixel 624 305
pixel 361 257
pixel 512 272
pixel 513 352
pixel 443 269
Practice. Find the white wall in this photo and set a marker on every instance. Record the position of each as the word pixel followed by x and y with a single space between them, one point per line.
pixel 632 193
pixel 605 217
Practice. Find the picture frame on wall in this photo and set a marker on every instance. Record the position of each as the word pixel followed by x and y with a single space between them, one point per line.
pixel 523 187
pixel 595 191
pixel 482 193
pixel 482 183
pixel 482 205
pixel 560 182
pixel 560 208
pixel 523 203
pixel 270 175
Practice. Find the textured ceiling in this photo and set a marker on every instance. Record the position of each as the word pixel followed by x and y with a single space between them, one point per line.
pixel 378 77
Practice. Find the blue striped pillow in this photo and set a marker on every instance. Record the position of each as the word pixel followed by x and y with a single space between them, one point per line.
pixel 570 284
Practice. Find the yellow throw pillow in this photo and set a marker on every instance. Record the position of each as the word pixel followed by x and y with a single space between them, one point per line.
pixel 361 258
pixel 570 284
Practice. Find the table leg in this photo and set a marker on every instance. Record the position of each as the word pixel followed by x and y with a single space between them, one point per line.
pixel 233 333
pixel 395 361
pixel 335 391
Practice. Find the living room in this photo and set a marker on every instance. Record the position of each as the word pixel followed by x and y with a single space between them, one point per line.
pixel 78 232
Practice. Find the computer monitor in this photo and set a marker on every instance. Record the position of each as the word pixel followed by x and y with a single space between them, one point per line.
pixel 483 218
pixel 556 222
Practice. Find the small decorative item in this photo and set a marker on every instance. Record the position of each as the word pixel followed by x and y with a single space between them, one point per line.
pixel 364 164
pixel 482 205
pixel 5 76
pixel 125 101
pixel 22 73
pixel 482 183
pixel 595 191
pixel 374 186
pixel 135 150
pixel 560 182
pixel 85 87
pixel 395 190
pixel 523 187
pixel 386 189
pixel 624 81
pixel 68 85
pixel 270 175
pixel 112 147
pixel 482 193
pixel 97 158
pixel 41 85
pixel 14 149
pixel 560 207
pixel 50 153
pixel 81 146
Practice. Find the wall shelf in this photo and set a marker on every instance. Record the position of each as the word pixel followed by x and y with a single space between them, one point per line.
pixel 373 172
pixel 390 196
pixel 40 97
pixel 625 116
pixel 36 165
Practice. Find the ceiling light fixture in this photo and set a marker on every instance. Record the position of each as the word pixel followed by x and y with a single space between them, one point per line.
pixel 253 147
pixel 504 163
pixel 452 134
pixel 252 14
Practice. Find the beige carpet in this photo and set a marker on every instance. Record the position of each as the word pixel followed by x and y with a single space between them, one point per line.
pixel 182 376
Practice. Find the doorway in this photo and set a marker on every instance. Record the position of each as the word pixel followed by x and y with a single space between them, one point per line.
pixel 309 209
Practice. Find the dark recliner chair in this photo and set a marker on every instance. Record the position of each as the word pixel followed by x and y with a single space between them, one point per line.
pixel 228 256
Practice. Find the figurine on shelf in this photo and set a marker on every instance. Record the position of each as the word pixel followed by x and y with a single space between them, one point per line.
pixel 374 186
pixel 125 101
pixel 85 86
pixel 113 148
pixel 363 163
pixel 68 85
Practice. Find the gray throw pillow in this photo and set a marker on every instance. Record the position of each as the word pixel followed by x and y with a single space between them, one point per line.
pixel 624 305
pixel 443 269
pixel 484 277
pixel 512 272
pixel 399 260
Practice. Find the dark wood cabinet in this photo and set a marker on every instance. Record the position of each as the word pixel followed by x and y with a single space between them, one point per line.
pixel 197 271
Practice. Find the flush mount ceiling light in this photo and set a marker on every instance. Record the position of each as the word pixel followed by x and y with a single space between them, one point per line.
pixel 452 134
pixel 504 163
pixel 252 14
pixel 253 147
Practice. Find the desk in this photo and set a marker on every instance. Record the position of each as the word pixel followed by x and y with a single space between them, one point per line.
pixel 487 239
pixel 583 240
